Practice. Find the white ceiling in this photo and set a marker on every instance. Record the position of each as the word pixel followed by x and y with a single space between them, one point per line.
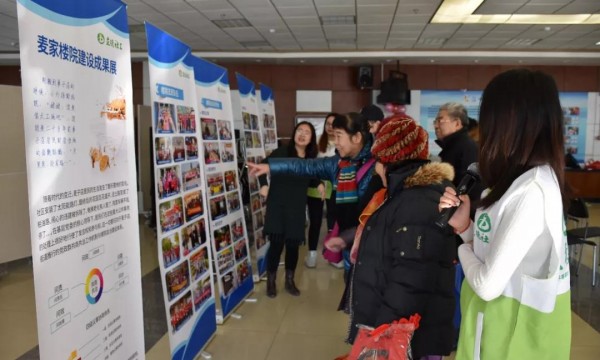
pixel 292 31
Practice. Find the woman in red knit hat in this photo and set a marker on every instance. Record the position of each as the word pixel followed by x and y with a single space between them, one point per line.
pixel 403 261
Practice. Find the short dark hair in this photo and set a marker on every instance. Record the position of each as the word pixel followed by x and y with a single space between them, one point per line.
pixel 521 126
pixel 353 123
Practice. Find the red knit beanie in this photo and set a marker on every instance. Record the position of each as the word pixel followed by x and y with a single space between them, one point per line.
pixel 400 138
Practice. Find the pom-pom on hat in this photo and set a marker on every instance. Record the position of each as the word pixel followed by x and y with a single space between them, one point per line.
pixel 400 138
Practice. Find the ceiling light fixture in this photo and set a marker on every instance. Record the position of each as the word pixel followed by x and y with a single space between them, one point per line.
pixel 272 31
pixel 462 12
pixel 232 23
pixel 338 20
pixel 598 43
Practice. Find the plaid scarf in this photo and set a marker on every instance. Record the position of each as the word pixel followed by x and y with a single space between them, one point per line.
pixel 347 188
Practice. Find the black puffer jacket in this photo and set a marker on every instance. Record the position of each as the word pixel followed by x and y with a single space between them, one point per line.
pixel 405 262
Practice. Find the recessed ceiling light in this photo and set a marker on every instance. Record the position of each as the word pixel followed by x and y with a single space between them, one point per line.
pixel 431 61
pixel 388 60
pixel 598 43
pixel 345 60
pixel 302 61
pixel 547 28
pixel 476 61
pixel 271 31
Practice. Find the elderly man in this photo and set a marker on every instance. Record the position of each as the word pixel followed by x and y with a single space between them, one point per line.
pixel 451 129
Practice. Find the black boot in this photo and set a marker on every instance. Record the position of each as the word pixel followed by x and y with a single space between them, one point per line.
pixel 271 287
pixel 290 287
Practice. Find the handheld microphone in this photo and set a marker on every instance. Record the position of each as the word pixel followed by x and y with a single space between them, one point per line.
pixel 466 184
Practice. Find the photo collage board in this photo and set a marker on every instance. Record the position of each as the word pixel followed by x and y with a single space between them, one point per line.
pixel 229 240
pixel 252 133
pixel 181 195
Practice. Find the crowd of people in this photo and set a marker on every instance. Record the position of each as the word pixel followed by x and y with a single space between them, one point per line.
pixel 388 194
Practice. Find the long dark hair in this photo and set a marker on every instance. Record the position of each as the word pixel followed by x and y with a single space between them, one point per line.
pixel 353 123
pixel 311 149
pixel 520 126
pixel 324 138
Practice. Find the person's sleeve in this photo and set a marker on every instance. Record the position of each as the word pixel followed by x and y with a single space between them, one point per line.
pixel 320 168
pixel 521 224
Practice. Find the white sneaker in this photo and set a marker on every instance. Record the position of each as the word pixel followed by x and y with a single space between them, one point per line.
pixel 338 265
pixel 311 259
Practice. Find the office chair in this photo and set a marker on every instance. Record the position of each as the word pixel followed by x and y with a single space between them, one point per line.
pixel 578 213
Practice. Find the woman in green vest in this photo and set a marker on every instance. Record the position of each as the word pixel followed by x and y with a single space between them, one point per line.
pixel 515 301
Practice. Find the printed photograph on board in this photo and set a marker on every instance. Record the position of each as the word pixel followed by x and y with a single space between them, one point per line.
pixel 229 283
pixel 222 237
pixel 191 147
pixel 164 115
pixel 177 280
pixel 211 153
pixel 162 146
pixel 181 311
pixel 193 235
pixel 186 119
pixel 225 259
pixel 246 120
pixel 224 130
pixel 227 154
pixel 233 201
pixel 167 181
pixel 243 271
pixel 215 184
pixel 199 263
pixel 209 129
pixel 202 292
pixel 193 205
pixel 218 207
pixel 231 182
pixel 191 175
pixel 178 149
pixel 254 121
pixel 171 249
pixel 237 229
pixel 240 250
pixel 171 214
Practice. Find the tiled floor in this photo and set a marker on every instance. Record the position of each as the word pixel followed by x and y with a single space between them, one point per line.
pixel 306 327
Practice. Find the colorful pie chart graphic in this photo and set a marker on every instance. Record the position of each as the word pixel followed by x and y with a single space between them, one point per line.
pixel 93 286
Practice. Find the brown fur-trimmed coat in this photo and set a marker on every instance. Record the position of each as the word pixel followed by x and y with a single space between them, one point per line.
pixel 405 262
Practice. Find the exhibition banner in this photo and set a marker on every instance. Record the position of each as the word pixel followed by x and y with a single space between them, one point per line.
pixel 255 152
pixel 79 137
pixel 268 124
pixel 182 229
pixel 575 114
pixel 574 106
pixel 227 224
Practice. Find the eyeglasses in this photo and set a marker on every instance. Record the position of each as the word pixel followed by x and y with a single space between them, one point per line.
pixel 303 132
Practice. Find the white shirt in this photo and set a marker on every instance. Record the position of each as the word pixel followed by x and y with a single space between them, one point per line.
pixel 512 242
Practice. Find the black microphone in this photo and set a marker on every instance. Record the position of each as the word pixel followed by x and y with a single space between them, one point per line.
pixel 466 184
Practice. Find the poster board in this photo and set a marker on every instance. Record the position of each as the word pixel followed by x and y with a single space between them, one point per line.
pixel 81 178
pixel 229 238
pixel 184 255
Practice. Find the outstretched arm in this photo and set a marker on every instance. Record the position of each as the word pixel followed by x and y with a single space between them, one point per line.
pixel 257 169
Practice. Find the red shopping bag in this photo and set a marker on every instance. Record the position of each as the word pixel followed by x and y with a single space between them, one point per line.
pixel 332 256
pixel 387 342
